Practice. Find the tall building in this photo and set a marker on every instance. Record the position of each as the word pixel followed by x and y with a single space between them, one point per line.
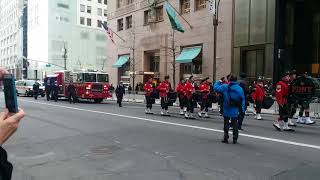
pixel 10 13
pixel 73 26
pixel 148 40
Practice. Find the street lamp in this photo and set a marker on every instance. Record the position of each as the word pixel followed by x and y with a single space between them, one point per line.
pixel 215 21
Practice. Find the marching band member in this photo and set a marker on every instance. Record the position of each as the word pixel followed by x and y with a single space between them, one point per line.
pixel 282 92
pixel 258 96
pixel 291 101
pixel 164 88
pixel 189 90
pixel 204 89
pixel 182 98
pixel 148 88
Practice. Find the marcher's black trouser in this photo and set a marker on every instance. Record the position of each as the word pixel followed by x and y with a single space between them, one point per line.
pixel 234 122
pixel 119 100
pixel 149 101
pixel 35 95
pixel 190 105
pixel 182 101
pixel 284 112
pixel 205 104
pixel 72 98
pixel 164 103
pixel 259 105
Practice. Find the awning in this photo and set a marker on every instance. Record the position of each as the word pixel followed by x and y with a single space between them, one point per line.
pixel 188 54
pixel 121 61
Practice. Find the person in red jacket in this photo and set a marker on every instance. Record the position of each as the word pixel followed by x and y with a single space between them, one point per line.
pixel 258 97
pixel 189 90
pixel 204 89
pixel 181 95
pixel 148 88
pixel 164 88
pixel 282 93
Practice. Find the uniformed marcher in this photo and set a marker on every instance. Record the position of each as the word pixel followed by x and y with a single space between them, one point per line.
pixel 189 92
pixel 182 97
pixel 204 89
pixel 36 89
pixel 120 91
pixel 258 97
pixel 148 88
pixel 72 93
pixel 164 88
pixel 293 105
pixel 282 93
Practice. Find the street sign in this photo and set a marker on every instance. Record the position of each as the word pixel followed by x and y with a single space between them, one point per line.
pixel 212 6
pixel 302 89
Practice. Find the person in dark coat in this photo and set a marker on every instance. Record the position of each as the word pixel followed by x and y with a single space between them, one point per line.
pixel 36 89
pixel 243 83
pixel 55 91
pixel 120 91
pixel 47 88
pixel 72 93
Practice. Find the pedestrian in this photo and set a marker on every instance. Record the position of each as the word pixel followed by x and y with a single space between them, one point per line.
pixel 234 103
pixel 258 97
pixel 36 89
pixel 47 88
pixel 148 88
pixel 292 103
pixel 305 109
pixel 243 83
pixel 181 95
pixel 120 91
pixel 55 91
pixel 130 89
pixel 72 93
pixel 282 93
pixel 190 93
pixel 204 89
pixel 137 88
pixel 164 88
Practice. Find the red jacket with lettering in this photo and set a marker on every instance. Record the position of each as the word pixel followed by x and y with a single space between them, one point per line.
pixel 188 88
pixel 204 89
pixel 180 89
pixel 258 94
pixel 148 88
pixel 164 88
pixel 282 92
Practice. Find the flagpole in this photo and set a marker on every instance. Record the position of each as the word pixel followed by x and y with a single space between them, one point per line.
pixel 179 14
pixel 118 35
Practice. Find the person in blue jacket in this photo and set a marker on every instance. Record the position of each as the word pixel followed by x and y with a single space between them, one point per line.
pixel 234 104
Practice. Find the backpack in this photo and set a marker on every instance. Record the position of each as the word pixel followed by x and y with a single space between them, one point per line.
pixel 233 102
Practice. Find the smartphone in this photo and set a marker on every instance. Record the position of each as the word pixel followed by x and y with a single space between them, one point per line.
pixel 10 93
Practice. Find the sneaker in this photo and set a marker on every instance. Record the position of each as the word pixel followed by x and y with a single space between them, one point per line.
pixel 199 114
pixel 150 112
pixel 259 117
pixel 191 117
pixel 206 115
pixel 290 123
pixel 186 115
pixel 181 112
pixel 184 109
pixel 301 120
pixel 162 113
pixel 287 128
pixel 146 111
pixel 240 129
pixel 277 126
pixel 225 141
pixel 308 121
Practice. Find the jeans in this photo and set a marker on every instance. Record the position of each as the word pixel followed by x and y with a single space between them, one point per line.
pixel 234 122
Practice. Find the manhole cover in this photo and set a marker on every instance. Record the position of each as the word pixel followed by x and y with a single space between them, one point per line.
pixel 104 150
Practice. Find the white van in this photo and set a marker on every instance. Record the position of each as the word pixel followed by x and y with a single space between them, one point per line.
pixel 25 87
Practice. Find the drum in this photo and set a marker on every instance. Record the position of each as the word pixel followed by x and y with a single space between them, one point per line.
pixel 267 102
pixel 155 94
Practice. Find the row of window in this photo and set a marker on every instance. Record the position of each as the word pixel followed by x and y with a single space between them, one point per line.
pixel 128 23
pixel 100 1
pixel 89 10
pixel 10 39
pixel 121 3
pixel 9 61
pixel 9 30
pixel 185 5
pixel 88 22
pixel 9 50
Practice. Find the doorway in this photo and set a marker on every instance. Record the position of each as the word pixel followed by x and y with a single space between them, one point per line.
pixel 253 63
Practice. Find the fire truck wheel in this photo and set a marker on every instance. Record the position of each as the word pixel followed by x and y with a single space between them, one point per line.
pixel 98 100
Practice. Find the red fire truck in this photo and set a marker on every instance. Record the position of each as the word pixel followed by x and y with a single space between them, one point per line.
pixel 90 85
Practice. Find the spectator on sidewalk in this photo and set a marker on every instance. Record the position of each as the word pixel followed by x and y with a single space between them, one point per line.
pixel 245 87
pixel 120 91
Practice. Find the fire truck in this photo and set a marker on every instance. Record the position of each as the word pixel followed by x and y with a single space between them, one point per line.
pixel 90 84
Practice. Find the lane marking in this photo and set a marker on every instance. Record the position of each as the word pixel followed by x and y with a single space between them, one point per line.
pixel 183 125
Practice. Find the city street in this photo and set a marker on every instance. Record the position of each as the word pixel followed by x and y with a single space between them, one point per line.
pixel 86 141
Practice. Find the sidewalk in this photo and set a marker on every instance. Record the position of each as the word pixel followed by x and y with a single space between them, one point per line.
pixel 274 110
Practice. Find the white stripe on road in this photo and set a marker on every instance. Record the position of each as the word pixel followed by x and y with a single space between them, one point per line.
pixel 184 125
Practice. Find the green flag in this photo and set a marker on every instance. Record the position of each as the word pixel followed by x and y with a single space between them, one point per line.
pixel 175 23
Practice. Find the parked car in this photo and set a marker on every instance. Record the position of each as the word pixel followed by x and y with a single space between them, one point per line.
pixel 24 87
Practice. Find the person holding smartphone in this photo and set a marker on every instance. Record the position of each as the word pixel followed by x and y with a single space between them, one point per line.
pixel 9 123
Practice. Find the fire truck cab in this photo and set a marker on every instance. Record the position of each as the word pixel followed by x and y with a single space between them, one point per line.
pixel 90 85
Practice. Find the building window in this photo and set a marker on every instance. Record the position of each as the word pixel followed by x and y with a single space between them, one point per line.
pixel 130 1
pixel 154 63
pixel 99 23
pixel 149 18
pixel 128 22
pixel 200 4
pixel 185 6
pixel 159 13
pixel 100 1
pixel 89 9
pixel 82 8
pixel 106 2
pixel 88 22
pixel 120 3
pixel 120 24
pixel 105 13
pixel 82 20
pixel 99 12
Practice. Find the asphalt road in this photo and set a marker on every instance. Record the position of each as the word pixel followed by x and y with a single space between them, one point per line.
pixel 59 141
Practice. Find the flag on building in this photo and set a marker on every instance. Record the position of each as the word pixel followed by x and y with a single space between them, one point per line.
pixel 108 30
pixel 175 22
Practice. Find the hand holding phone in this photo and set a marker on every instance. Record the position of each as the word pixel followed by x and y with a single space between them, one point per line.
pixel 10 93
